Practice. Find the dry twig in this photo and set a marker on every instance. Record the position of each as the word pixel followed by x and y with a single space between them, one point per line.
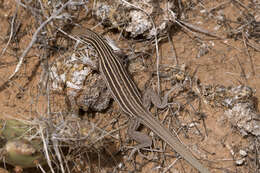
pixel 11 32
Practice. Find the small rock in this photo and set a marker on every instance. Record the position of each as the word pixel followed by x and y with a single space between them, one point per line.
pixel 139 24
pixel 240 162
pixel 120 165
pixel 243 153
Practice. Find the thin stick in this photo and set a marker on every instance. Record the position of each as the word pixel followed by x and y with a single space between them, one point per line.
pixel 173 163
pixel 156 43
pixel 243 74
pixel 57 152
pixel 41 168
pixel 248 54
pixel 241 4
pixel 195 28
pixel 173 49
pixel 46 149
pixel 218 6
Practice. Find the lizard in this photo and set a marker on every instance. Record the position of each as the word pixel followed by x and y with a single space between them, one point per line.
pixel 127 95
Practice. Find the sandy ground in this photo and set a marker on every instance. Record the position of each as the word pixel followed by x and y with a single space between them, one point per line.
pixel 227 63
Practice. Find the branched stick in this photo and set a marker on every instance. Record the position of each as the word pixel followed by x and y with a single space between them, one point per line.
pixel 34 38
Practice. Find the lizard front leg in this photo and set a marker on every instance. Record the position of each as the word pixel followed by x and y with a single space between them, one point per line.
pixel 150 96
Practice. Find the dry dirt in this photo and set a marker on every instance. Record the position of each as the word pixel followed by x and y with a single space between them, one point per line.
pixel 227 63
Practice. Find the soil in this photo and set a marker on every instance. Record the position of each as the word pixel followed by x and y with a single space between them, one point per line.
pixel 228 62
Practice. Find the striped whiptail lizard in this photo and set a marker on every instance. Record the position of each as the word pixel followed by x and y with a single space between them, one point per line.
pixel 126 94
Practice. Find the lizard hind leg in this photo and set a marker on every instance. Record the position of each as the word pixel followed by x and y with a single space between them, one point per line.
pixel 143 139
